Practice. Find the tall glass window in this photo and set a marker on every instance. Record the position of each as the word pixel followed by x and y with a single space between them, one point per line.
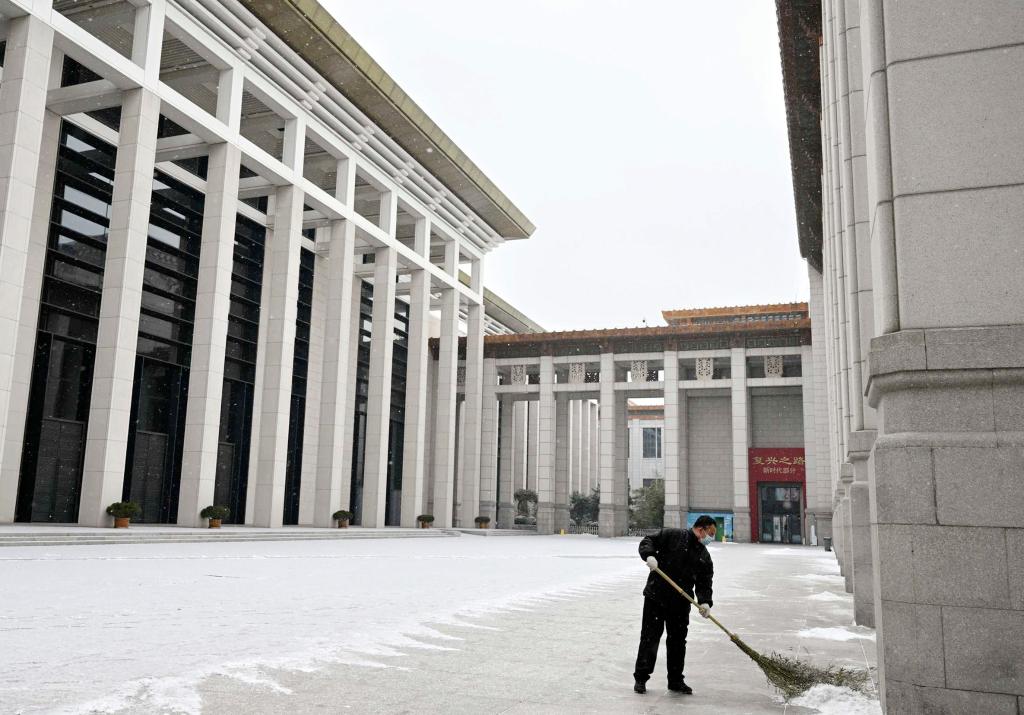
pixel 164 352
pixel 55 428
pixel 240 369
pixel 300 370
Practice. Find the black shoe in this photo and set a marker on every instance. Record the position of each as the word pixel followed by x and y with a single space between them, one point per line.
pixel 639 687
pixel 680 687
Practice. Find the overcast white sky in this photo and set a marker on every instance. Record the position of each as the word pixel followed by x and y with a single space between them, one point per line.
pixel 646 140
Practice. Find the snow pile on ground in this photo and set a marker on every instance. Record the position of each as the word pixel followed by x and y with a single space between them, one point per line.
pixel 828 596
pixel 139 627
pixel 833 700
pixel 101 628
pixel 826 578
pixel 835 634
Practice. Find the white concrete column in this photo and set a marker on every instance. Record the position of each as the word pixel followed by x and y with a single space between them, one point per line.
pixel 740 446
pixel 338 379
pixel 489 441
pixel 460 454
pixel 428 468
pixel 846 482
pixel 584 417
pixel 351 371
pixel 816 427
pixel 683 446
pixel 378 395
pixel 519 427
pixel 595 447
pixel 209 338
pixel 562 475
pixel 118 333
pixel 607 523
pixel 620 493
pixel 506 488
pixel 444 423
pixel 546 448
pixel 576 446
pixel 472 404
pixel 311 418
pixel 674 516
pixel 862 560
pixel 417 369
pixel 13 427
pixel 22 115
pixel 281 282
pixel 259 377
pixel 532 443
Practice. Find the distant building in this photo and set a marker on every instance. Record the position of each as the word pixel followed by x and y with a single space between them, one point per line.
pixel 646 462
pixel 739 430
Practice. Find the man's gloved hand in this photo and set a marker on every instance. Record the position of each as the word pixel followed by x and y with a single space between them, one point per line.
pixel 705 609
pixel 652 563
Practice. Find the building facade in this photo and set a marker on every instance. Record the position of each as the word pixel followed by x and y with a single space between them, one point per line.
pixel 741 425
pixel 646 424
pixel 905 136
pixel 226 236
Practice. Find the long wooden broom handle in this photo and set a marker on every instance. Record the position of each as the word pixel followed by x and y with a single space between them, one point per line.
pixel 685 595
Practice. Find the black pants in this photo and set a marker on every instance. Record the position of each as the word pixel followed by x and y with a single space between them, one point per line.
pixel 657 618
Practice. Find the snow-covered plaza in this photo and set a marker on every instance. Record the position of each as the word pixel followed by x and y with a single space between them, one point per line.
pixel 462 624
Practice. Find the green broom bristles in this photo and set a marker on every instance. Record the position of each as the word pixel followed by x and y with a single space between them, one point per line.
pixel 792 676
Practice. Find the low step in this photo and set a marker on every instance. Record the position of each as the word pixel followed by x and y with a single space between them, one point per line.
pixel 497 532
pixel 93 538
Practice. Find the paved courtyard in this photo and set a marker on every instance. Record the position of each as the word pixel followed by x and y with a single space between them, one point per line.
pixel 467 624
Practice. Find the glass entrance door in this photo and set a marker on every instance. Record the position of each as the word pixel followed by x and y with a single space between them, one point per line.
pixel 780 510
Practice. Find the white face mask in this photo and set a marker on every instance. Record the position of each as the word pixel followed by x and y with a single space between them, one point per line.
pixel 707 539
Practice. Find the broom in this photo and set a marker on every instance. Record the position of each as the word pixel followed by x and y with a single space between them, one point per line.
pixel 791 676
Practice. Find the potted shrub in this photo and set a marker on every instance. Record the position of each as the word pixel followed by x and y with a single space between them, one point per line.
pixel 342 517
pixel 482 522
pixel 425 520
pixel 216 514
pixel 123 511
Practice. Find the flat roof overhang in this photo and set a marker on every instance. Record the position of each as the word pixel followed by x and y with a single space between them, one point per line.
pixel 310 31
pixel 799 42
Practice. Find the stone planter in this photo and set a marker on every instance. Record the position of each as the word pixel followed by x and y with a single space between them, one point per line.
pixel 342 523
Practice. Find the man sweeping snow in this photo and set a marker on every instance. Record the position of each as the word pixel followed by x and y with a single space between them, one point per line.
pixel 683 556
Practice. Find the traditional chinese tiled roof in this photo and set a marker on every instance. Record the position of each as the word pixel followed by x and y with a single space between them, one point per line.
pixel 664 331
pixel 623 340
pixel 799 40
pixel 672 316
pixel 641 340
pixel 645 412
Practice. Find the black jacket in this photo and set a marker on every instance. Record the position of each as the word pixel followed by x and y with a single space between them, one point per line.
pixel 683 559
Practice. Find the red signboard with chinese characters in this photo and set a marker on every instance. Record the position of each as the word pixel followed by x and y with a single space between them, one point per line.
pixel 785 465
